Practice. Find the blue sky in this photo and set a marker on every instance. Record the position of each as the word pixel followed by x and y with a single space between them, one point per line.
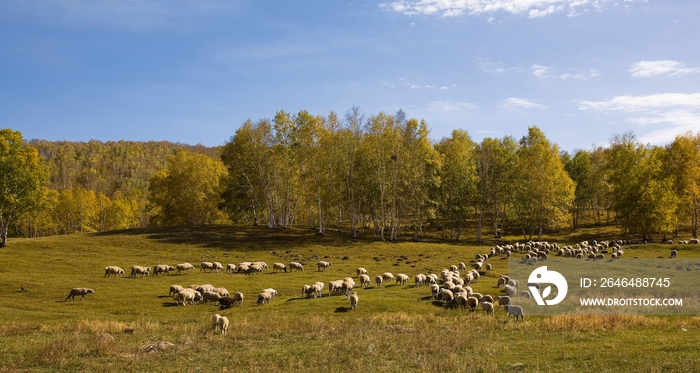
pixel 194 71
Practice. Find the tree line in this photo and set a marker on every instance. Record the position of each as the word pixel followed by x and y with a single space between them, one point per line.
pixel 378 174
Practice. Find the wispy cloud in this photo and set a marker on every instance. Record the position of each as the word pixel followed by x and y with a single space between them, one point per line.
pixel 549 73
pixel 495 66
pixel 523 103
pixel 533 8
pixel 449 106
pixel 644 103
pixel 646 69
pixel 676 113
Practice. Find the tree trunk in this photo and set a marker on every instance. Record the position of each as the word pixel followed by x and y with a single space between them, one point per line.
pixel 478 226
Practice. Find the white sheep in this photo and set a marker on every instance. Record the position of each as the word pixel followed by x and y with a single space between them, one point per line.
pixel 238 298
pixel 113 270
pixel 210 296
pixel 354 298
pixel 323 265
pixel 348 285
pixel 139 270
pixel 503 300
pixel 219 323
pixel 488 308
pixel 378 279
pixel 174 289
pixel 264 298
pixel 364 280
pixel 206 266
pixel 296 265
pixel 187 296
pixel 515 311
pixel 674 253
pixel 511 291
pixel 222 291
pixel 434 290
pixel 217 266
pixel 446 296
pixel 230 268
pixel 162 268
pixel 206 287
pixel 420 279
pixel 335 287
pixel 401 279
pixel 459 301
pixel 279 267
pixel 78 291
pixel 361 271
pixel 184 267
pixel 472 302
pixel 387 276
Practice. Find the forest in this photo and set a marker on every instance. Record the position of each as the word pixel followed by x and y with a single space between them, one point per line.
pixel 379 175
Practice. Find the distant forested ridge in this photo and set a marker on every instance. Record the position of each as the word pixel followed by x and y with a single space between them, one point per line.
pixel 380 175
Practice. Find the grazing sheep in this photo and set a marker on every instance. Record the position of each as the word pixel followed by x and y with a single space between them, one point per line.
pixel 515 311
pixel 458 301
pixel 353 300
pixel 446 296
pixel 230 268
pixel 139 270
pixel 525 294
pixel 238 299
pixel 462 266
pixel 219 323
pixel 264 298
pixel 511 291
pixel 364 280
pixel 207 287
pixel 420 279
pixel 187 296
pixel 295 265
pixel 279 267
pixel 503 300
pixel 305 291
pixel 674 253
pixel 387 276
pixel 206 266
pixel 210 296
pixel 320 284
pixel 348 285
pixel 361 271
pixel 323 265
pixel 488 267
pixel 379 279
pixel 502 281
pixel 486 298
pixel 113 270
pixel 472 302
pixel 401 279
pixel 174 289
pixel 217 267
pixel 488 308
pixel 79 291
pixel 434 290
pixel 335 287
pixel 162 268
pixel 184 267
pixel 222 291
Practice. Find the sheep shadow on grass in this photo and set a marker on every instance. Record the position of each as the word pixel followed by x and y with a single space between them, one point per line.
pixel 170 304
pixel 342 309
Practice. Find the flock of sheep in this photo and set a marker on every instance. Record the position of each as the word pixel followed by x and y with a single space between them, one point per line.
pixel 451 287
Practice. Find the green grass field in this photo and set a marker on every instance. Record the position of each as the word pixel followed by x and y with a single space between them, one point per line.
pixel 394 329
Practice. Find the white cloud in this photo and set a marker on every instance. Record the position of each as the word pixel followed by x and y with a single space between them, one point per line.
pixel 533 8
pixel 449 106
pixel 675 113
pixel 521 102
pixel 645 69
pixel 644 103
pixel 549 73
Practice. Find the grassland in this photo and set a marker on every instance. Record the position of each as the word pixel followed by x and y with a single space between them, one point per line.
pixel 395 328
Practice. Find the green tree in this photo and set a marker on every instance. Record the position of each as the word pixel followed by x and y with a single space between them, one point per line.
pixel 544 190
pixel 188 190
pixel 683 166
pixel 458 180
pixel 23 177
pixel 580 170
